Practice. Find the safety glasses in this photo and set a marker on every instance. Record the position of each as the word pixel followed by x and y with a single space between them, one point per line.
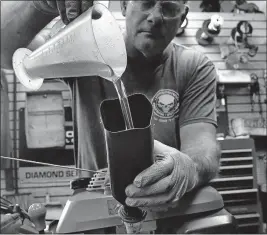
pixel 168 9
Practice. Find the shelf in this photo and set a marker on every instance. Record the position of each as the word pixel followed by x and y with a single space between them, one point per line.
pixel 233 159
pixel 236 167
pixel 236 151
pixel 236 183
pixel 249 225
pixel 247 216
pixel 237 145
pixel 253 190
pixel 231 179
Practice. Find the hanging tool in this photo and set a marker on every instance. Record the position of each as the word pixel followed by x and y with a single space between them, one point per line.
pixel 232 57
pixel 210 5
pixel 210 29
pixel 255 92
pixel 243 6
pixel 240 35
pixel 221 94
pixel 231 52
pixel 265 83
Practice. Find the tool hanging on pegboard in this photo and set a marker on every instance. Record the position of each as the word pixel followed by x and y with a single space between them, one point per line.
pixel 231 51
pixel 254 91
pixel 233 58
pixel 240 35
pixel 265 84
pixel 221 95
pixel 210 29
pixel 210 5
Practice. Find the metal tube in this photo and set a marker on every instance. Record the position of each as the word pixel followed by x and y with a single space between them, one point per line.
pixel 130 151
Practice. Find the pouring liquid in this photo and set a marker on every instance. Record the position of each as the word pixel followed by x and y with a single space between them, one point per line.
pixel 135 226
pixel 125 107
pixel 132 217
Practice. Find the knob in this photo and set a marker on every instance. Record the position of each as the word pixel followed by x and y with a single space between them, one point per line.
pixel 37 213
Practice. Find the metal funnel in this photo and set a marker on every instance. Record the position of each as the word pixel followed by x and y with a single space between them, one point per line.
pixel 91 45
pixel 129 151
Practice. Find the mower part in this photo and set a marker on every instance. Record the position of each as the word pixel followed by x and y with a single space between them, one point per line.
pixel 80 183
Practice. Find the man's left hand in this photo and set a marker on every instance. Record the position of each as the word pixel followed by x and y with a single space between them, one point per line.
pixel 165 182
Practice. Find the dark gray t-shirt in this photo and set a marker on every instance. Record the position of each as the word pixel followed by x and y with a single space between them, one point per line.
pixel 181 86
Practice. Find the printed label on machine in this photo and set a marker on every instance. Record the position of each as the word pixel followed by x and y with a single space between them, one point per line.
pixel 45 174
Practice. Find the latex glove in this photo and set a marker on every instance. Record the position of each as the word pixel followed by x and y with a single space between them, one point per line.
pixel 68 9
pixel 165 182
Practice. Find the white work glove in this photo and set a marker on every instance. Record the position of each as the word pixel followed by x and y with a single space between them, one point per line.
pixel 165 182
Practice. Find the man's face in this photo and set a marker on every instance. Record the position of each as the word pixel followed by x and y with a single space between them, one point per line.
pixel 152 24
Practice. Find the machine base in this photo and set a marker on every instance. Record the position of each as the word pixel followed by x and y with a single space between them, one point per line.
pixel 94 210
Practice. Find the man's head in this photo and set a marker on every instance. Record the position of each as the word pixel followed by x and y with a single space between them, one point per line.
pixel 151 24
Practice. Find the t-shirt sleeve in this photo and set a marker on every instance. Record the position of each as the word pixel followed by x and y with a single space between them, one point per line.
pixel 198 101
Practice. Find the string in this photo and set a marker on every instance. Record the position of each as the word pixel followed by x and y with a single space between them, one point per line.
pixel 48 164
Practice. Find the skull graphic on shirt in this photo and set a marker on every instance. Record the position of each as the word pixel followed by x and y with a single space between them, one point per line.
pixel 166 104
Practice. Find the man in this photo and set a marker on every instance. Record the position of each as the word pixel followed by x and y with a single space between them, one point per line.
pixel 180 82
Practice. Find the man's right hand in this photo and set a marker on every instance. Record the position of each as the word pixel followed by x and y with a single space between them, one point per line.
pixel 67 9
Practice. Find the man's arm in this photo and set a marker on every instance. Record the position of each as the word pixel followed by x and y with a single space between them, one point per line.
pixel 176 172
pixel 198 141
pixel 198 120
pixel 20 22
